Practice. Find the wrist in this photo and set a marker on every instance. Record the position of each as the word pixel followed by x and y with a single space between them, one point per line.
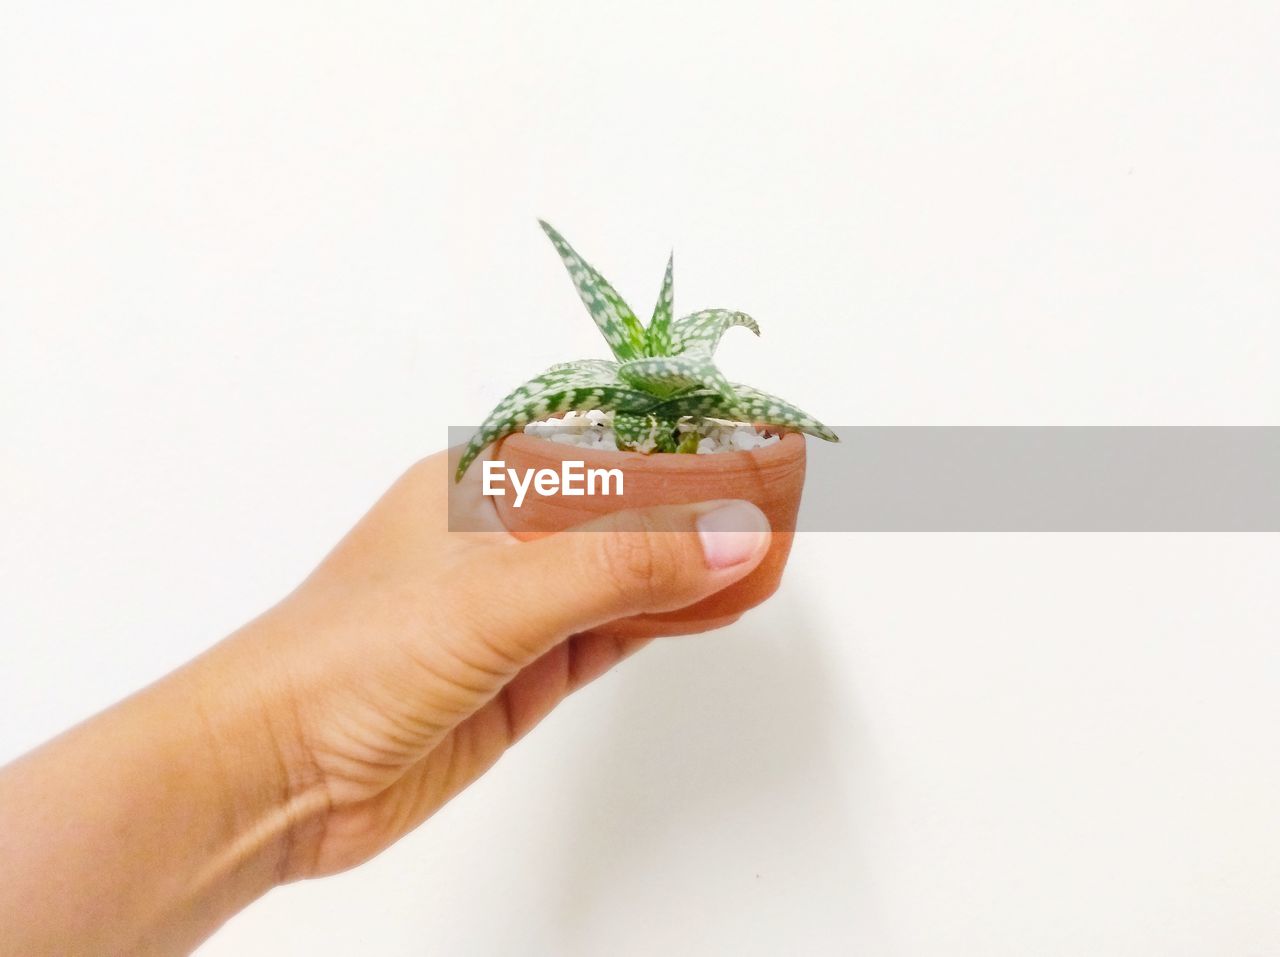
pixel 275 797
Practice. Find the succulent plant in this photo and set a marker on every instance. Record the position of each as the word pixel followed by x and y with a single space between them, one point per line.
pixel 664 373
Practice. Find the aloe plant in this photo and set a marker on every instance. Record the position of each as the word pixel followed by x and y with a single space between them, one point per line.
pixel 663 373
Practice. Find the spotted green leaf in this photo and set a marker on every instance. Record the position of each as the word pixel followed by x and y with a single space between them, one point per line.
pixel 631 429
pixel 552 393
pixel 613 317
pixel 666 376
pixel 658 335
pixel 664 435
pixel 585 367
pixel 701 331
pixel 643 432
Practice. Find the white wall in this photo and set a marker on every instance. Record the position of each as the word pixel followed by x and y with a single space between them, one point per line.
pixel 255 257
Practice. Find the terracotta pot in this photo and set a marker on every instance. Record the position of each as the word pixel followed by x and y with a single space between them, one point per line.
pixel 772 477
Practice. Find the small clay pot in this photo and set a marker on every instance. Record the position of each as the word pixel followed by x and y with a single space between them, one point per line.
pixel 772 477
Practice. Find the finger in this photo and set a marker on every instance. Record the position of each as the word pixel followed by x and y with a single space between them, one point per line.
pixel 532 595
pixel 480 739
pixel 643 628
pixel 469 509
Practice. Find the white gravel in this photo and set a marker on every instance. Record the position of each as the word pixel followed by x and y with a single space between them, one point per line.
pixel 594 430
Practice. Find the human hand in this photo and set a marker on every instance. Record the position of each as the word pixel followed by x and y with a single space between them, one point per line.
pixel 414 656
pixel 318 734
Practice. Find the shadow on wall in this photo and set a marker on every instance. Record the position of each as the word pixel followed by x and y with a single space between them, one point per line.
pixel 718 800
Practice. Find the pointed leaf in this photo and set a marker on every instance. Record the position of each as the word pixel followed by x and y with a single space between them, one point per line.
pixel 596 367
pixel 614 318
pixel 702 404
pixel 658 335
pixel 553 392
pixel 641 432
pixel 701 331
pixel 664 435
pixel 752 406
pixel 668 375
pixel 632 430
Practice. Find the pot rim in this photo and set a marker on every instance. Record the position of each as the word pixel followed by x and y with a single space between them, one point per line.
pixel 790 445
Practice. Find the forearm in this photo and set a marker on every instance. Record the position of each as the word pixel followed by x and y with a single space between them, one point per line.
pixel 144 828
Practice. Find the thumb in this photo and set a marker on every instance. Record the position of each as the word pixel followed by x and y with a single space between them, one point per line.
pixel 644 560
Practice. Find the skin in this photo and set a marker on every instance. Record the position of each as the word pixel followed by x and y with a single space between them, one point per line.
pixel 340 719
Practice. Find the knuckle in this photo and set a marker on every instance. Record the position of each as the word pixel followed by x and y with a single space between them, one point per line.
pixel 483 628
pixel 637 558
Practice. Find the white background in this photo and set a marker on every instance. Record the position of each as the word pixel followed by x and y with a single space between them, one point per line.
pixel 255 257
